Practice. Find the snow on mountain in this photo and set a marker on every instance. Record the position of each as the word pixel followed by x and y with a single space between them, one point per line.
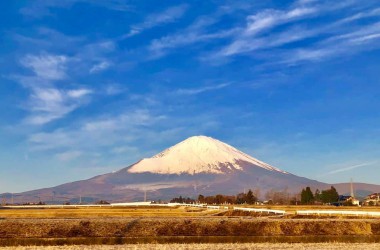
pixel 198 154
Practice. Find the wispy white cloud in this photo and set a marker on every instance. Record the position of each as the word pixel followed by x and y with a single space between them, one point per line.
pixel 46 101
pixel 315 54
pixel 195 33
pixel 364 38
pixel 49 104
pixel 268 19
pixel 345 169
pixel 370 13
pixel 304 2
pixel 95 133
pixel 117 5
pixel 69 155
pixel 78 93
pixel 330 39
pixel 50 100
pixel 271 41
pixel 40 8
pixel 47 66
pixel 100 67
pixel 246 40
pixel 359 35
pixel 48 39
pixel 200 90
pixel 135 118
pixel 114 89
pixel 202 30
pixel 86 56
pixel 167 16
pixel 96 57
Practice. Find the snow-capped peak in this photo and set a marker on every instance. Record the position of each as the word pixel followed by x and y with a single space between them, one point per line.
pixel 198 154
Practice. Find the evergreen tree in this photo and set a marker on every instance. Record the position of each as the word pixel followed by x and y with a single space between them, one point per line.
pixel 201 199
pixel 240 198
pixel 334 194
pixel 317 195
pixel 329 195
pixel 307 196
pixel 250 198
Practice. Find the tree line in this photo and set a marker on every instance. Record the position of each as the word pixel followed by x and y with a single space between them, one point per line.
pixel 324 196
pixel 241 198
pixel 305 197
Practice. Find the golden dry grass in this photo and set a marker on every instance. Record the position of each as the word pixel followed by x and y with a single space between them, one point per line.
pixel 92 212
pixel 167 225
pixel 117 212
pixel 292 208
pixel 258 246
pixel 173 227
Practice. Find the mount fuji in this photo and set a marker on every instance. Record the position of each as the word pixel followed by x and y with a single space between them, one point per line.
pixel 197 165
pixel 196 155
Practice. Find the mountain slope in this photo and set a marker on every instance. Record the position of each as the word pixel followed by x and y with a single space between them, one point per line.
pixel 197 165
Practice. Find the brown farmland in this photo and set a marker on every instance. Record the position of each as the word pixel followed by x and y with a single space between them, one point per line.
pixel 164 225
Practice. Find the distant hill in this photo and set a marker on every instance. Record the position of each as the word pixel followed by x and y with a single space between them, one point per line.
pixel 361 190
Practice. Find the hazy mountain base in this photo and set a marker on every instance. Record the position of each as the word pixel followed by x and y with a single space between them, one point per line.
pixel 240 246
pixel 125 186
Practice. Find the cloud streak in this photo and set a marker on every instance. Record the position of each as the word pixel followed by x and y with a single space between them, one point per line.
pixel 100 67
pixel 348 43
pixel 268 19
pixel 274 28
pixel 114 130
pixel 345 169
pixel 200 90
pixel 167 16
pixel 69 155
pixel 41 8
pixel 195 33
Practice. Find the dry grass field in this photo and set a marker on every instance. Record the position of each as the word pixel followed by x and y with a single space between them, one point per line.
pixel 117 212
pixel 293 208
pixel 242 246
pixel 96 212
pixel 125 225
pixel 184 227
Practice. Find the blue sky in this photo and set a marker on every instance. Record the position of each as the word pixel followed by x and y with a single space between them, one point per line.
pixel 88 87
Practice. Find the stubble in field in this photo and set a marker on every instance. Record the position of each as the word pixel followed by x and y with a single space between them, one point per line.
pixel 258 246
